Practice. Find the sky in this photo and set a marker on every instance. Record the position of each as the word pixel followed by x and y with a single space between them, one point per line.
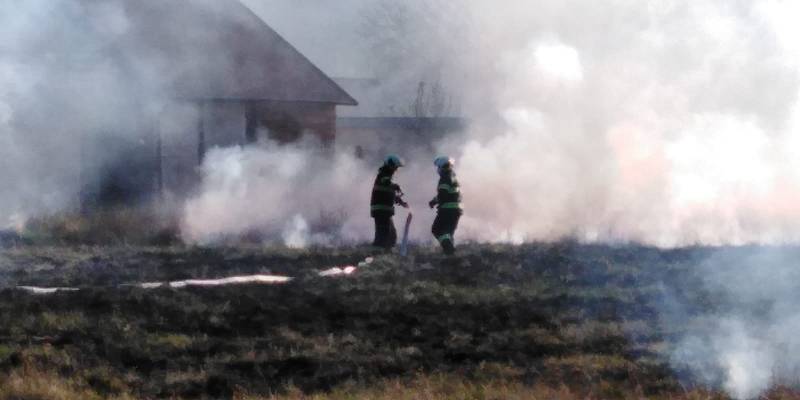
pixel 327 35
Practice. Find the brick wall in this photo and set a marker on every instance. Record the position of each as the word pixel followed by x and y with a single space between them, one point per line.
pixel 285 122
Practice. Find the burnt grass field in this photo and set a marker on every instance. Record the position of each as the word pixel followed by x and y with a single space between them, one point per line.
pixel 559 320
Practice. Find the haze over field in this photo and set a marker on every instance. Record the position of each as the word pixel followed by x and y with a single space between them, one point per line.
pixel 664 123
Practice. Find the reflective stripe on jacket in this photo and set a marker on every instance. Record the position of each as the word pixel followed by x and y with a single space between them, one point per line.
pixel 448 195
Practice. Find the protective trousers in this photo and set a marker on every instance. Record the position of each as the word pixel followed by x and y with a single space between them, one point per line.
pixel 444 228
pixel 385 233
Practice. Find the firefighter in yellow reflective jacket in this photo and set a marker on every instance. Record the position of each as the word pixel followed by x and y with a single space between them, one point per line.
pixel 385 194
pixel 448 203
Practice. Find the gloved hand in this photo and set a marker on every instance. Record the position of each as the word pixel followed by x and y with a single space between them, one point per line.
pixel 432 203
pixel 403 204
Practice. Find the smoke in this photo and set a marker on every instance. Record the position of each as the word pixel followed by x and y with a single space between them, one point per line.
pixel 297 194
pixel 745 342
pixel 63 91
pixel 666 123
pixel 28 183
pixel 87 86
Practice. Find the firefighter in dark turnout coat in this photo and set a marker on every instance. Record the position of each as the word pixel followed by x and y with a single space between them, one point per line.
pixel 385 194
pixel 448 203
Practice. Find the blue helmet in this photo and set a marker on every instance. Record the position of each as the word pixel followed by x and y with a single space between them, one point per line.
pixel 443 162
pixel 393 161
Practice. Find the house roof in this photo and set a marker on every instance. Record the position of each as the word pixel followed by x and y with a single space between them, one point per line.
pixel 217 50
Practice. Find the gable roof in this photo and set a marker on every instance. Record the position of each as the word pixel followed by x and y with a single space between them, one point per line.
pixel 218 50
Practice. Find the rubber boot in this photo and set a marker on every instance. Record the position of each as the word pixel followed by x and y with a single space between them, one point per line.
pixel 447 246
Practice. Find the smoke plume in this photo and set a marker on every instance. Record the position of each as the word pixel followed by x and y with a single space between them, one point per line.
pixel 64 94
pixel 669 124
pixel 296 194
pixel 663 123
pixel 746 341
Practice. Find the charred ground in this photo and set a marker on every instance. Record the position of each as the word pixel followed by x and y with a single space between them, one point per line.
pixel 582 318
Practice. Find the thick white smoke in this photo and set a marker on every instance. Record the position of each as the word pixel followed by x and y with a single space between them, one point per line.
pixel 280 192
pixel 663 122
pixel 29 184
pixel 297 194
pixel 62 91
pixel 668 123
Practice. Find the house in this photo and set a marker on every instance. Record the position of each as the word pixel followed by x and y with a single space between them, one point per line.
pixel 395 117
pixel 230 78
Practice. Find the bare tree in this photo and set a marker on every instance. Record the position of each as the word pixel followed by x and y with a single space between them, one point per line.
pixel 418 37
pixel 413 44
pixel 431 104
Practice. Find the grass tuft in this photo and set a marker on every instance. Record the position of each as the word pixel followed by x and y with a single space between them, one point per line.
pixel 29 383
pixel 140 226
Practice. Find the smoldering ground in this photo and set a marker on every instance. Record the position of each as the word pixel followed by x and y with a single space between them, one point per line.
pixel 740 331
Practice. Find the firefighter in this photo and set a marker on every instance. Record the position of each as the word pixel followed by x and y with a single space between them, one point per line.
pixel 448 203
pixel 385 194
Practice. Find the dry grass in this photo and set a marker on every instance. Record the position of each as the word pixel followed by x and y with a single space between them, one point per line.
pixel 496 322
pixel 456 387
pixel 30 383
pixel 431 387
pixel 112 226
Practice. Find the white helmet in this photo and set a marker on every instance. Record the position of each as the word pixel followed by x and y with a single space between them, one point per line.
pixel 443 161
